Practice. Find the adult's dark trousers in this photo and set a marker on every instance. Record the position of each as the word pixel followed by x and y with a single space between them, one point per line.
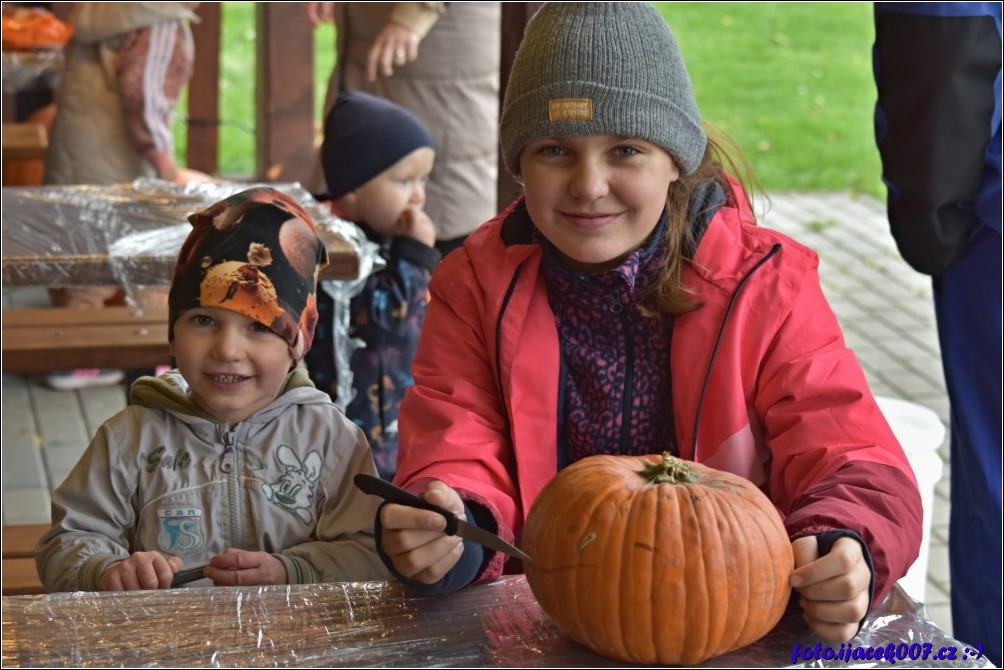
pixel 938 130
pixel 967 302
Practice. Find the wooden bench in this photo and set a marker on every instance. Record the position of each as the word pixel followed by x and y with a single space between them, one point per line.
pixel 24 141
pixel 20 577
pixel 44 340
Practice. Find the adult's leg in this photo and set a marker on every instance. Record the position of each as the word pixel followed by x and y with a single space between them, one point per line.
pixel 967 302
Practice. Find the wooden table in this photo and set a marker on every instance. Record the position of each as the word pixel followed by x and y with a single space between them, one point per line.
pixel 129 235
pixel 22 141
pixel 368 624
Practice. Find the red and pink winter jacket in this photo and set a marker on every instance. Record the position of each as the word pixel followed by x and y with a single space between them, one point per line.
pixel 780 399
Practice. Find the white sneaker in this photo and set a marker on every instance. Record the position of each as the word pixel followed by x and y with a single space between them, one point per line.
pixel 74 380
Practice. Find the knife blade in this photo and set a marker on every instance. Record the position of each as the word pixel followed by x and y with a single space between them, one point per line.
pixel 454 526
pixel 188 575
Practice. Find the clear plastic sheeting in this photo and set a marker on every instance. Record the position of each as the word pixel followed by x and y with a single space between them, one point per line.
pixel 130 234
pixel 370 624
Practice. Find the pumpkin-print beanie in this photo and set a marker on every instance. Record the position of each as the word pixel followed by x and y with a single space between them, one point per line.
pixel 591 68
pixel 256 253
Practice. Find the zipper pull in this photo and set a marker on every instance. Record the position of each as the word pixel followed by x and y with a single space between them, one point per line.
pixel 616 306
pixel 229 440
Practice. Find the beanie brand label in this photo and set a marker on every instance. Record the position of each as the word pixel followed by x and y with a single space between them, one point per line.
pixel 570 109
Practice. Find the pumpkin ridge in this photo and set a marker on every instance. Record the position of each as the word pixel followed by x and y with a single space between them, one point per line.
pixel 637 585
pixel 784 560
pixel 670 622
pixel 716 570
pixel 738 579
pixel 773 600
pixel 705 574
pixel 749 631
pixel 590 581
pixel 578 609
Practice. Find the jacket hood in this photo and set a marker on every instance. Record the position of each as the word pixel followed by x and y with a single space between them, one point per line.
pixel 169 392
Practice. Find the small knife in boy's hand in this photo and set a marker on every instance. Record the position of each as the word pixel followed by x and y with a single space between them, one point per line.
pixel 454 526
pixel 187 575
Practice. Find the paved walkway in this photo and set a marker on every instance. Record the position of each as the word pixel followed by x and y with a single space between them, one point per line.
pixel 883 306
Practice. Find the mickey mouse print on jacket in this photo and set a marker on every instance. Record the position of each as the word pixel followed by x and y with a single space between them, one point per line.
pixel 280 482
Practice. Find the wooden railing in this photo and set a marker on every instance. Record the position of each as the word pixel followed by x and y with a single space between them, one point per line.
pixel 284 90
pixel 284 96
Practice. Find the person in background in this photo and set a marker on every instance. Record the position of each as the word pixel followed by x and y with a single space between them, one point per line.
pixel 628 303
pixel 234 459
pixel 939 136
pixel 377 157
pixel 440 61
pixel 126 65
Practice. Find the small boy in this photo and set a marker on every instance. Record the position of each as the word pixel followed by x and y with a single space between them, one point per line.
pixel 233 460
pixel 377 157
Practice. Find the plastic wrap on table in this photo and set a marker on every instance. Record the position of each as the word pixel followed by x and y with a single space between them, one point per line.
pixel 130 234
pixel 371 624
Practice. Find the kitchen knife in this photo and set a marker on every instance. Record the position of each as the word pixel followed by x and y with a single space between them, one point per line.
pixel 454 526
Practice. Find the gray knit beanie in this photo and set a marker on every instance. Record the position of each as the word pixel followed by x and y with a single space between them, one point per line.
pixel 601 68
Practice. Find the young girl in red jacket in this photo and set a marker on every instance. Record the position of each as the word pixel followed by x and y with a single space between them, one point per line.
pixel 629 304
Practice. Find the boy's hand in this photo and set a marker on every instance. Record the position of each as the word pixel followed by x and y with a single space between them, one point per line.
pixel 414 222
pixel 833 588
pixel 414 538
pixel 142 570
pixel 238 567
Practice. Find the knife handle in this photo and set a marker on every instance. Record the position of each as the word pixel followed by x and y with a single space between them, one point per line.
pixel 188 575
pixel 375 486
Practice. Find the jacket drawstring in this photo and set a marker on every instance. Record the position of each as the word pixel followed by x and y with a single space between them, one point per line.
pixel 498 329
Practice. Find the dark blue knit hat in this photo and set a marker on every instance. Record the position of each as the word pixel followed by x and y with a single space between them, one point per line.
pixel 363 136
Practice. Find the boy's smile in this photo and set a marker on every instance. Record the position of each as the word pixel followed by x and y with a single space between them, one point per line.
pixel 596 198
pixel 234 365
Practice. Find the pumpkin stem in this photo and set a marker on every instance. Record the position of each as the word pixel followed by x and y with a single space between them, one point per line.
pixel 670 470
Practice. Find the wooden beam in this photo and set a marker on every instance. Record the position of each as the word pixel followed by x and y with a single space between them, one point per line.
pixel 515 16
pixel 285 93
pixel 203 92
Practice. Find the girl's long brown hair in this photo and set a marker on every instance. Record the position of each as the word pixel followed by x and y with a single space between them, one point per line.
pixel 668 294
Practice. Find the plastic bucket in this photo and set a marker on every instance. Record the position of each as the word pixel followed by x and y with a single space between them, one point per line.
pixel 920 432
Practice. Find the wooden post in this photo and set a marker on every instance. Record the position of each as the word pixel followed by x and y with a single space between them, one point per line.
pixel 285 94
pixel 515 16
pixel 203 92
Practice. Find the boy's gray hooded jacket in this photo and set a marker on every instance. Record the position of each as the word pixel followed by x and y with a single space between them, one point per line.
pixel 163 476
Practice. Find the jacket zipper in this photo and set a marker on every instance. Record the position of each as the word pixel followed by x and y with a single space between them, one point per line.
pixel 718 342
pixel 617 307
pixel 230 468
pixel 498 330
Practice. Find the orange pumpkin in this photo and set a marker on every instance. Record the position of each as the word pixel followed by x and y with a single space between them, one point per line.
pixel 652 559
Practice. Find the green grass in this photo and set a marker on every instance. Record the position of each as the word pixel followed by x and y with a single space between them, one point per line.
pixel 791 83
